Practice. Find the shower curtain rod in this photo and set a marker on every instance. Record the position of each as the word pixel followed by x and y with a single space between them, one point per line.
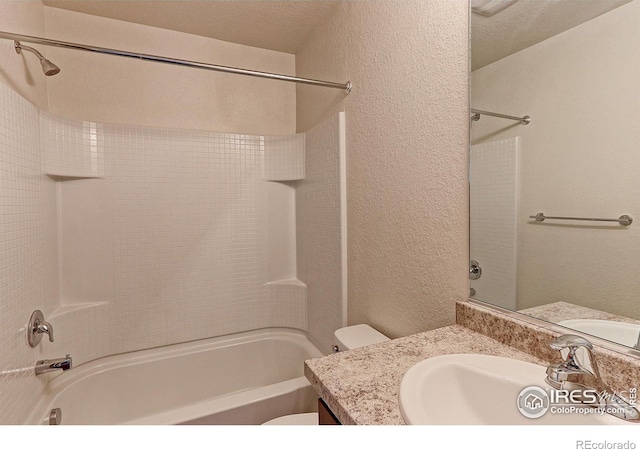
pixel 477 113
pixel 347 87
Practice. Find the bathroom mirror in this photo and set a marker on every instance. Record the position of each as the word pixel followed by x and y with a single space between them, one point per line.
pixel 574 68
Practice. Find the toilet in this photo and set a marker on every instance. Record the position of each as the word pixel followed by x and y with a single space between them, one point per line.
pixel 350 337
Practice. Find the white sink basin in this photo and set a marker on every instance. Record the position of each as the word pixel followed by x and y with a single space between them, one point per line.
pixel 623 333
pixel 477 389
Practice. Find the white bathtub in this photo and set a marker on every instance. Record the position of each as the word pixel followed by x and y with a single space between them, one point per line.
pixel 245 378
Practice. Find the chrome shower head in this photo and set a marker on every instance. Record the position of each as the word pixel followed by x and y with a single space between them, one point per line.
pixel 48 67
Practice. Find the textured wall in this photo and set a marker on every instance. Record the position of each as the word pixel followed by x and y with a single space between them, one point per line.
pixel 120 90
pixel 407 144
pixel 579 157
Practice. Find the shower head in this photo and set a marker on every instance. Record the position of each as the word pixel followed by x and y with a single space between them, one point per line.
pixel 48 67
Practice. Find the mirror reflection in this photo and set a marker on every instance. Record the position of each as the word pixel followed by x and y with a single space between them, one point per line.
pixel 573 67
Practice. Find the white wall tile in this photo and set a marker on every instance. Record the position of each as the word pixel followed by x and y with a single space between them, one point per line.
pixel 186 234
pixel 494 179
pixel 72 148
pixel 284 157
pixel 288 304
pixel 21 252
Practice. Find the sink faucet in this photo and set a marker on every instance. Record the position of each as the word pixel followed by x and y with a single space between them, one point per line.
pixel 580 362
pixel 46 366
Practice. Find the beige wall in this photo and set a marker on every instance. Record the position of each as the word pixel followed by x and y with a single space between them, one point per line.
pixel 579 157
pixel 407 141
pixel 109 89
pixel 23 72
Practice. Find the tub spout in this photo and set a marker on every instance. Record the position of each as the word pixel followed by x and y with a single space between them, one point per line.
pixel 46 366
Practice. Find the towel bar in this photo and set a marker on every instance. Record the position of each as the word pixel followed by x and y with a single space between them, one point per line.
pixel 624 220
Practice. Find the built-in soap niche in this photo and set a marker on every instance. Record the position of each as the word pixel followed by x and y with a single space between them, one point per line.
pixel 284 158
pixel 306 181
pixel 284 166
pixel 83 243
pixel 85 240
pixel 72 149
pixel 73 156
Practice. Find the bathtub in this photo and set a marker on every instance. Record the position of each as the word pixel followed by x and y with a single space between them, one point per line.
pixel 246 378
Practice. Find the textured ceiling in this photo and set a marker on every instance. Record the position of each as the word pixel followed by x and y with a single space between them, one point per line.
pixel 272 24
pixel 283 25
pixel 528 22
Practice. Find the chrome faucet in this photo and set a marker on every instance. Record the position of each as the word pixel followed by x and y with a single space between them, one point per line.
pixel 573 366
pixel 580 362
pixel 46 366
pixel 36 327
pixel 45 328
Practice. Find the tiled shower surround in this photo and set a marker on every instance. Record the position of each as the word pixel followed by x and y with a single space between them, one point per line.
pixel 21 250
pixel 494 180
pixel 162 236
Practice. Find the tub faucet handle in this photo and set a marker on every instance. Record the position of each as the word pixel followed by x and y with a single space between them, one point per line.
pixel 45 328
pixel 36 327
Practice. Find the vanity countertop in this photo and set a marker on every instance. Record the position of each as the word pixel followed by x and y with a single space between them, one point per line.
pixel 560 311
pixel 361 386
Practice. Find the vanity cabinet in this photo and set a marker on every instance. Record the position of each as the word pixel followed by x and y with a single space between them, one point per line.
pixel 326 416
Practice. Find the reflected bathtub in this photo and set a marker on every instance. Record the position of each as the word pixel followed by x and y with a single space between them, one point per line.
pixel 246 378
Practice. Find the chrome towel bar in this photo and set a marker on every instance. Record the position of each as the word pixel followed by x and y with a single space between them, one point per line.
pixel 477 113
pixel 624 220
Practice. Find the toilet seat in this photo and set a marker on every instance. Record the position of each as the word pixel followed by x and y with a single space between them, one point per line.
pixel 299 419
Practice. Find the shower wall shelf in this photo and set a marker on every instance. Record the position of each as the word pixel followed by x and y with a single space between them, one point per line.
pixel 347 87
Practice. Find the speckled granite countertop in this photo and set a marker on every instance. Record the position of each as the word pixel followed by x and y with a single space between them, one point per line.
pixel 361 386
pixel 561 311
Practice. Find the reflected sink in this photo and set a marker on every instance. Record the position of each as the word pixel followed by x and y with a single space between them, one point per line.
pixel 478 389
pixel 623 333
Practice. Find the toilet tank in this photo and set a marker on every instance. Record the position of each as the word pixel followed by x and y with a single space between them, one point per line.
pixel 352 337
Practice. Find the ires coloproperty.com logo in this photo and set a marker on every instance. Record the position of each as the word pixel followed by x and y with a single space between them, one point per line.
pixel 535 402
